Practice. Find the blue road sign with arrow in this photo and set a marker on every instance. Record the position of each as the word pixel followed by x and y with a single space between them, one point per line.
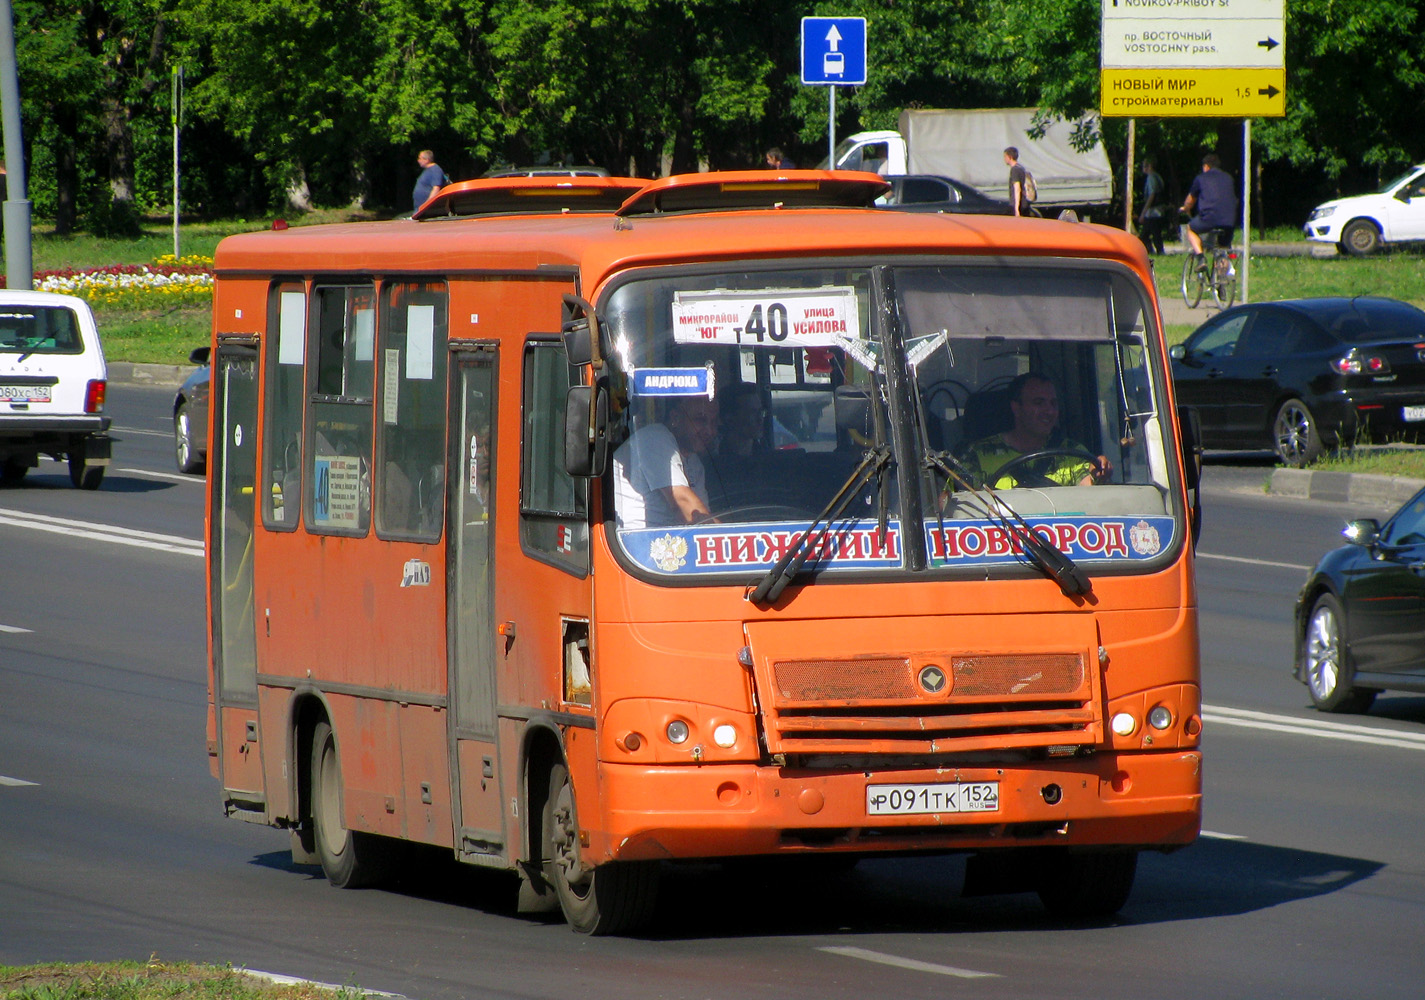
pixel 834 50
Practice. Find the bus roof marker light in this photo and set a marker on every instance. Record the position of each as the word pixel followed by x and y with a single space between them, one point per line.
pixel 1124 724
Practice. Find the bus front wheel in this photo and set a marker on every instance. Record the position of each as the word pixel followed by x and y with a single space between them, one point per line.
pixel 1090 885
pixel 616 896
pixel 350 860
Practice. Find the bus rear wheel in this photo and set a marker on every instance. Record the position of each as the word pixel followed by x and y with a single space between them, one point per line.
pixel 349 860
pixel 1090 885
pixel 613 898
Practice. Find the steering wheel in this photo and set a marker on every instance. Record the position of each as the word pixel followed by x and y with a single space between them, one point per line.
pixel 764 512
pixel 1035 478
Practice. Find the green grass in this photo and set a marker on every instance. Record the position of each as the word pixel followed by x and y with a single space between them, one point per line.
pixel 152 980
pixel 1397 275
pixel 1380 461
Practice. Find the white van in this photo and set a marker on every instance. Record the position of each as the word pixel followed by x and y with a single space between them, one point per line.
pixel 1362 224
pixel 52 386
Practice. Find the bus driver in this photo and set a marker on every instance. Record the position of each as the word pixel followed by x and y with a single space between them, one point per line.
pixel 1034 404
pixel 659 477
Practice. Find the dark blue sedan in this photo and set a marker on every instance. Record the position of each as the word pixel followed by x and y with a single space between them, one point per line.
pixel 1360 619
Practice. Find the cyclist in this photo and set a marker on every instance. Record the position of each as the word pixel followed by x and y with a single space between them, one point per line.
pixel 1214 195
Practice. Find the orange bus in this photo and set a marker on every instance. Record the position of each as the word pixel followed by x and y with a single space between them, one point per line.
pixel 581 526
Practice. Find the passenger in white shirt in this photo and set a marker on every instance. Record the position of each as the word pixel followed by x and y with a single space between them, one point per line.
pixel 658 472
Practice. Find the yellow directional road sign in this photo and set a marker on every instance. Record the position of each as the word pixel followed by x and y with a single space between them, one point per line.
pixel 1233 92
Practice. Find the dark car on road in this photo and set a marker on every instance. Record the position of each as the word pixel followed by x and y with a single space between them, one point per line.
pixel 933 193
pixel 190 416
pixel 1360 619
pixel 1303 375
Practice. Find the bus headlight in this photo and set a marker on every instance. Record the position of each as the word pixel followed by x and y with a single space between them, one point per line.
pixel 1161 717
pixel 677 731
pixel 725 736
pixel 1124 724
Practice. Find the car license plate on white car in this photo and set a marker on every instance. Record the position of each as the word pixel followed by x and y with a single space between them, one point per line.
pixel 1412 413
pixel 24 394
pixel 920 800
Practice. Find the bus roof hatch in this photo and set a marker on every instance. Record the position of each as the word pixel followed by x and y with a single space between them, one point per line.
pixel 540 195
pixel 743 189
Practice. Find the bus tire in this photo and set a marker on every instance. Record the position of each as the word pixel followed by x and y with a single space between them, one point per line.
pixel 613 898
pixel 1089 885
pixel 349 860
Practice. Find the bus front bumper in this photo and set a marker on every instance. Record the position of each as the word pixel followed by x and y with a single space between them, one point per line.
pixel 1149 800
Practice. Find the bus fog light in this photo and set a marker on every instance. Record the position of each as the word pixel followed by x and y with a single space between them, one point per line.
pixel 1161 717
pixel 1124 724
pixel 631 742
pixel 677 731
pixel 725 736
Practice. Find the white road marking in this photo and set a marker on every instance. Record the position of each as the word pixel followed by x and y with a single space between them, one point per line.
pixel 14 628
pixel 15 782
pixel 176 477
pixel 140 430
pixel 273 977
pixel 1214 835
pixel 1255 562
pixel 1319 728
pixel 102 532
pixel 880 958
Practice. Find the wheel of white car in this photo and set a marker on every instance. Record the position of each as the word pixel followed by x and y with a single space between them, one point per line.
pixel 1360 238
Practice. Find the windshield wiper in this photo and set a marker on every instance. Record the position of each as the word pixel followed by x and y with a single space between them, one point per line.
pixel 1049 560
pixel 770 587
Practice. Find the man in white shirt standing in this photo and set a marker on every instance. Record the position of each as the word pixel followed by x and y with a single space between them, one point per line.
pixel 659 477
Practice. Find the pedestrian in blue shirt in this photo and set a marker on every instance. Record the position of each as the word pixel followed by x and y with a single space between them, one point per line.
pixel 431 178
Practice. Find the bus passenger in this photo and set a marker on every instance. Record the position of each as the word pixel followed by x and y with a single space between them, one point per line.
pixel 659 477
pixel 1034 404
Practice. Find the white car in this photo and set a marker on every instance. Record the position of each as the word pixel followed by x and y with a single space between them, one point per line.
pixel 1360 225
pixel 52 385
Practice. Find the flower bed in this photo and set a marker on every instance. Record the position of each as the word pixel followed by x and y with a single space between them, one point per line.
pixel 166 283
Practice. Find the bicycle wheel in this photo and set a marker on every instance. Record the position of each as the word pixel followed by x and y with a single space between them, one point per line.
pixel 1224 278
pixel 1192 279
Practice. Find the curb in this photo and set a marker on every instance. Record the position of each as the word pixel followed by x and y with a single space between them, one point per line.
pixel 129 373
pixel 1344 487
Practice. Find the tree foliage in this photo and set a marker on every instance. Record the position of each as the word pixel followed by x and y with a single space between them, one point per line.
pixel 327 101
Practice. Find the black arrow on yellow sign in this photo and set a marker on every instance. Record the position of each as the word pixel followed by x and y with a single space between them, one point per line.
pixel 1268 91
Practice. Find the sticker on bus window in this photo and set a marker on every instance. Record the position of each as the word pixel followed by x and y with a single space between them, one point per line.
pixel 336 499
pixel 767 317
pixel 673 382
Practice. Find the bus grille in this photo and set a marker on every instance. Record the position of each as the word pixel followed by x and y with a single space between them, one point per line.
pixel 900 705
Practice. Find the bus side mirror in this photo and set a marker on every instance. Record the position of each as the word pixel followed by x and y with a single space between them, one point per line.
pixel 578 345
pixel 586 430
pixel 1190 433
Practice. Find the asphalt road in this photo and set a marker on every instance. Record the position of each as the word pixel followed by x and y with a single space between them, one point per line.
pixel 1310 881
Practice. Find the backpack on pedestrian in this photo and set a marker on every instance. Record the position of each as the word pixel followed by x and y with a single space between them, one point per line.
pixel 1031 193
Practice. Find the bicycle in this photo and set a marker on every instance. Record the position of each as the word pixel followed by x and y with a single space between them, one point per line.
pixel 1214 269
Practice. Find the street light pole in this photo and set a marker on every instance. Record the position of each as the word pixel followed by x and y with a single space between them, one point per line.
pixel 19 263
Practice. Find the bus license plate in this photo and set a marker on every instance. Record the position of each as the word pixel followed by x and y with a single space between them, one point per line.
pixel 1412 413
pixel 919 800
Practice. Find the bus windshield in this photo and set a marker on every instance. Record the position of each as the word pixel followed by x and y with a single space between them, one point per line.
pixel 746 405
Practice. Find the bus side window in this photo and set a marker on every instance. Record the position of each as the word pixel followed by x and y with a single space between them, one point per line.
pixel 282 442
pixel 342 334
pixel 554 521
pixel 410 446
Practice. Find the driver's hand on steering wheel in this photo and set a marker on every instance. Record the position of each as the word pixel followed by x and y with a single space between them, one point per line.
pixel 1099 472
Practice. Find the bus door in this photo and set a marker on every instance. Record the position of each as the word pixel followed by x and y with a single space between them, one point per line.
pixel 233 461
pixel 471 604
